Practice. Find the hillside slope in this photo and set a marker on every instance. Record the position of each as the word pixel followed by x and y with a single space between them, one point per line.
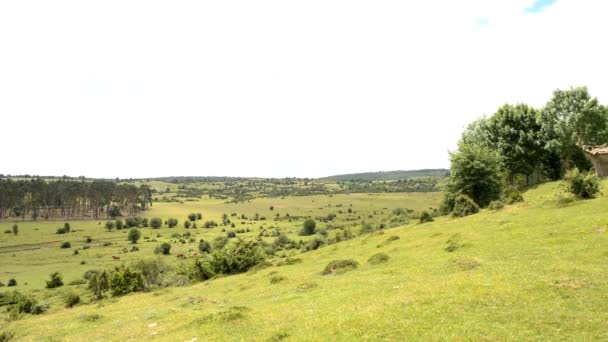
pixel 533 271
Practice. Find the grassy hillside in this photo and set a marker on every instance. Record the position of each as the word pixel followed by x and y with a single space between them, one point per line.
pixel 532 271
pixel 388 175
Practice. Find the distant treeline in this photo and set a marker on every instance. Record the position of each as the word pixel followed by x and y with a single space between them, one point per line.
pixel 388 175
pixel 40 199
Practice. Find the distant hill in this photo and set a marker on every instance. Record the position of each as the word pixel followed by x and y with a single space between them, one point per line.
pixel 388 175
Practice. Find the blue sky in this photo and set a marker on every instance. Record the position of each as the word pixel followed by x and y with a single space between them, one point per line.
pixel 540 5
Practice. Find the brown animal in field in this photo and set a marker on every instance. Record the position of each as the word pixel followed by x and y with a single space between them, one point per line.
pixel 181 256
pixel 194 254
pixel 116 258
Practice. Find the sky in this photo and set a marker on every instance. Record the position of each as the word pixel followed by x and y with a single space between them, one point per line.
pixel 137 89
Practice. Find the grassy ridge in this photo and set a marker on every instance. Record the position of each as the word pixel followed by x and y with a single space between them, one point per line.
pixel 388 175
pixel 533 271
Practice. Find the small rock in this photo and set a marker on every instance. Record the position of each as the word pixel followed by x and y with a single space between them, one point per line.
pixel 154 333
pixel 152 325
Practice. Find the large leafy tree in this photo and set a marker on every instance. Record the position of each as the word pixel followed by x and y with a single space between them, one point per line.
pixel 570 120
pixel 515 133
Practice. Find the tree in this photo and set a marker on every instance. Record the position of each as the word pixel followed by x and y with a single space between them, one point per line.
pixel 164 248
pixel 134 235
pixel 515 133
pixel 570 120
pixel 119 224
pixel 187 224
pixel 172 222
pixel 15 229
pixel 192 217
pixel 583 185
pixel 476 172
pixel 309 227
pixel 156 222
pixel 204 246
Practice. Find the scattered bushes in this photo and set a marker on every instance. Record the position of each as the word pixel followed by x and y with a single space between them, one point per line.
pixel 366 228
pixel 209 224
pixel 55 281
pixel 340 266
pixel 378 258
pixel 464 206
pixel 219 242
pixel 583 185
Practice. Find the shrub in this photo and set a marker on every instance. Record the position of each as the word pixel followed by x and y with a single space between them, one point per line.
pixel 77 282
pixel 71 300
pixel 118 224
pixel 66 244
pixel 464 206
pixel 315 243
pixel 6 336
pixel 109 225
pixel 309 227
pixel 156 223
pixel 512 196
pixel 151 270
pixel 15 229
pixel 134 235
pixel 186 224
pixel 131 222
pixel 55 281
pixel 88 239
pixel 425 217
pixel 230 234
pixel 378 258
pixel 172 223
pixel 236 258
pixel 366 228
pixel 67 226
pixel 219 242
pixel 275 279
pixel 209 224
pixel 583 185
pixel 144 222
pixel 340 266
pixel 496 205
pixel 204 246
pixel 126 281
pixel 12 282
pixel 199 216
pixel 192 217
pixel 62 231
pixel 164 248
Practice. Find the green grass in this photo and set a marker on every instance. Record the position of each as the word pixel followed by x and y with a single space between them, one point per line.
pixel 531 271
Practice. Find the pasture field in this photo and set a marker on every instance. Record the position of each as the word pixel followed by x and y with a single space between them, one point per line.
pixel 531 271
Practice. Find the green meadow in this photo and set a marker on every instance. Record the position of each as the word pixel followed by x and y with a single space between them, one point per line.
pixel 531 271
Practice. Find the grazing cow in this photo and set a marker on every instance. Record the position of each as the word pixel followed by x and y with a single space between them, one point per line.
pixel 181 256
pixel 116 258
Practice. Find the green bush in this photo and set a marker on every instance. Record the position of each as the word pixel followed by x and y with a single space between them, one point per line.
pixel 425 217
pixel 315 243
pixel 309 227
pixel 110 225
pixel 172 222
pixel 209 224
pixel 512 196
pixel 66 244
pixel 134 235
pixel 156 222
pixel 464 206
pixel 192 217
pixel 204 246
pixel 496 205
pixel 62 231
pixel 219 242
pixel 131 222
pixel 6 336
pixel 236 258
pixel 275 279
pixel 99 283
pixel 71 300
pixel 366 228
pixel 12 282
pixel 340 266
pixel 378 258
pixel 186 224
pixel 55 281
pixel 583 185
pixel 164 248
pixel 126 281
pixel 118 224
pixel 15 229
pixel 151 270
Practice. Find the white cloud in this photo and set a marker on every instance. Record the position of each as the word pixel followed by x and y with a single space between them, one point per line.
pixel 273 88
